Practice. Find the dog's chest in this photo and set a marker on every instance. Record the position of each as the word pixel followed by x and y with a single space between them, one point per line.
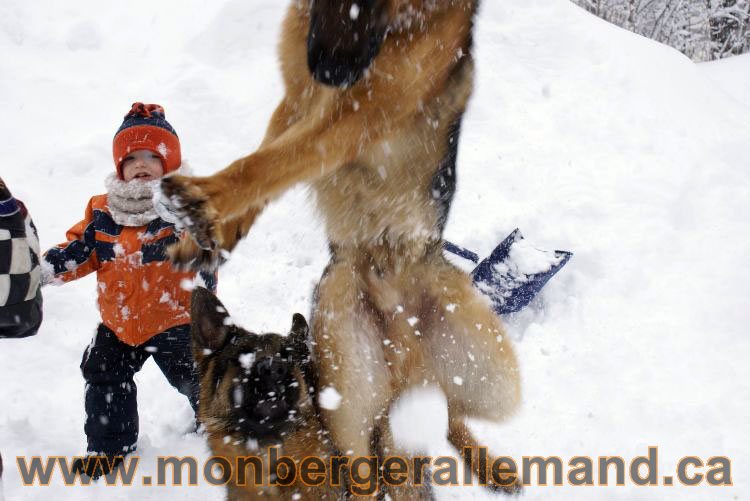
pixel 389 191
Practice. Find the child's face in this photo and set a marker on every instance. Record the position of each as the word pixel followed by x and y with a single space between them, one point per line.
pixel 143 165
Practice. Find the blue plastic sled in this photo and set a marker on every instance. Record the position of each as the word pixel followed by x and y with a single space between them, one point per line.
pixel 514 273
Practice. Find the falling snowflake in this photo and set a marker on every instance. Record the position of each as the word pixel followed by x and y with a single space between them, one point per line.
pixel 329 398
pixel 247 360
pixel 354 12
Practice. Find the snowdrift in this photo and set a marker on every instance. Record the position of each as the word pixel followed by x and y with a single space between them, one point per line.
pixel 588 137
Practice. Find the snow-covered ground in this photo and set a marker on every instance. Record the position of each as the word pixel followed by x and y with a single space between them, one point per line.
pixel 731 75
pixel 587 137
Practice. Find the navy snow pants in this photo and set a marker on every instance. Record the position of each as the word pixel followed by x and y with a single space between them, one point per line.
pixel 108 367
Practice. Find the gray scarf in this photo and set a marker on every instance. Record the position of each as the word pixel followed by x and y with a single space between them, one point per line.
pixel 131 203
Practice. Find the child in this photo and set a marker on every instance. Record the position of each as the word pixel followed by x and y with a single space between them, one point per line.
pixel 143 301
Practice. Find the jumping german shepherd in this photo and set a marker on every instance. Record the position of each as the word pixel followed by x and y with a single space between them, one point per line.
pixel 375 94
pixel 254 395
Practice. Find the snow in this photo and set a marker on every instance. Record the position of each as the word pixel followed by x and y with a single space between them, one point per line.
pixel 587 137
pixel 528 260
pixel 354 12
pixel 731 76
pixel 247 360
pixel 419 419
pixel 329 398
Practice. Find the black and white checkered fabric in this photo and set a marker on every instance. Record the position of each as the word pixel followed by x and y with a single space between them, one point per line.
pixel 19 265
pixel 20 296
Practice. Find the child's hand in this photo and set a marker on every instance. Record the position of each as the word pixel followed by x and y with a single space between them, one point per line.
pixel 47 275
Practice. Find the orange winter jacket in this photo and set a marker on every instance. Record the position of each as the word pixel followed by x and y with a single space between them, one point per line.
pixel 139 293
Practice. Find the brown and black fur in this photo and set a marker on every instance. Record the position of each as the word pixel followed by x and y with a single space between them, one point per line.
pixel 255 394
pixel 371 121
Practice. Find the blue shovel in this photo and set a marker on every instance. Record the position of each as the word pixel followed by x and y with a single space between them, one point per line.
pixel 514 273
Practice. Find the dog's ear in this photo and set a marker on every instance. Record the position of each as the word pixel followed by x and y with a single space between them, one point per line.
pixel 298 337
pixel 208 321
pixel 300 329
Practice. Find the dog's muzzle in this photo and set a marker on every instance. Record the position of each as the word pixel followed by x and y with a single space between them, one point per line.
pixel 266 400
pixel 342 45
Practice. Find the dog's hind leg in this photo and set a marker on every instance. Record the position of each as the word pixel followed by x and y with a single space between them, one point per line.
pixel 348 347
pixel 461 438
pixel 472 360
pixel 462 345
pixel 415 487
pixel 463 342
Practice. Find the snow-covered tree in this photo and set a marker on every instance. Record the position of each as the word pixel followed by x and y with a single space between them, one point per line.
pixel 701 29
pixel 729 23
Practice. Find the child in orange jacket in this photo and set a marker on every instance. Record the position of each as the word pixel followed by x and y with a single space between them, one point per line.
pixel 144 302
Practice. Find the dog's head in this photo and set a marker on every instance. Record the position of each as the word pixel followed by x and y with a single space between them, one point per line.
pixel 251 384
pixel 344 38
pixel 346 35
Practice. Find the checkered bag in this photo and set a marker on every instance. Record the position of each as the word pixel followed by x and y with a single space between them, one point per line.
pixel 20 297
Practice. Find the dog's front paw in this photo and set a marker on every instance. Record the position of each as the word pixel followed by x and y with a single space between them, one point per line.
pixel 188 255
pixel 184 202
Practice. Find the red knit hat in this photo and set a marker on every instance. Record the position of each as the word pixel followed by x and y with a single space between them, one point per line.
pixel 146 128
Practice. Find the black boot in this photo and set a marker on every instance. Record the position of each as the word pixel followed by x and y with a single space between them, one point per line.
pixel 95 466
